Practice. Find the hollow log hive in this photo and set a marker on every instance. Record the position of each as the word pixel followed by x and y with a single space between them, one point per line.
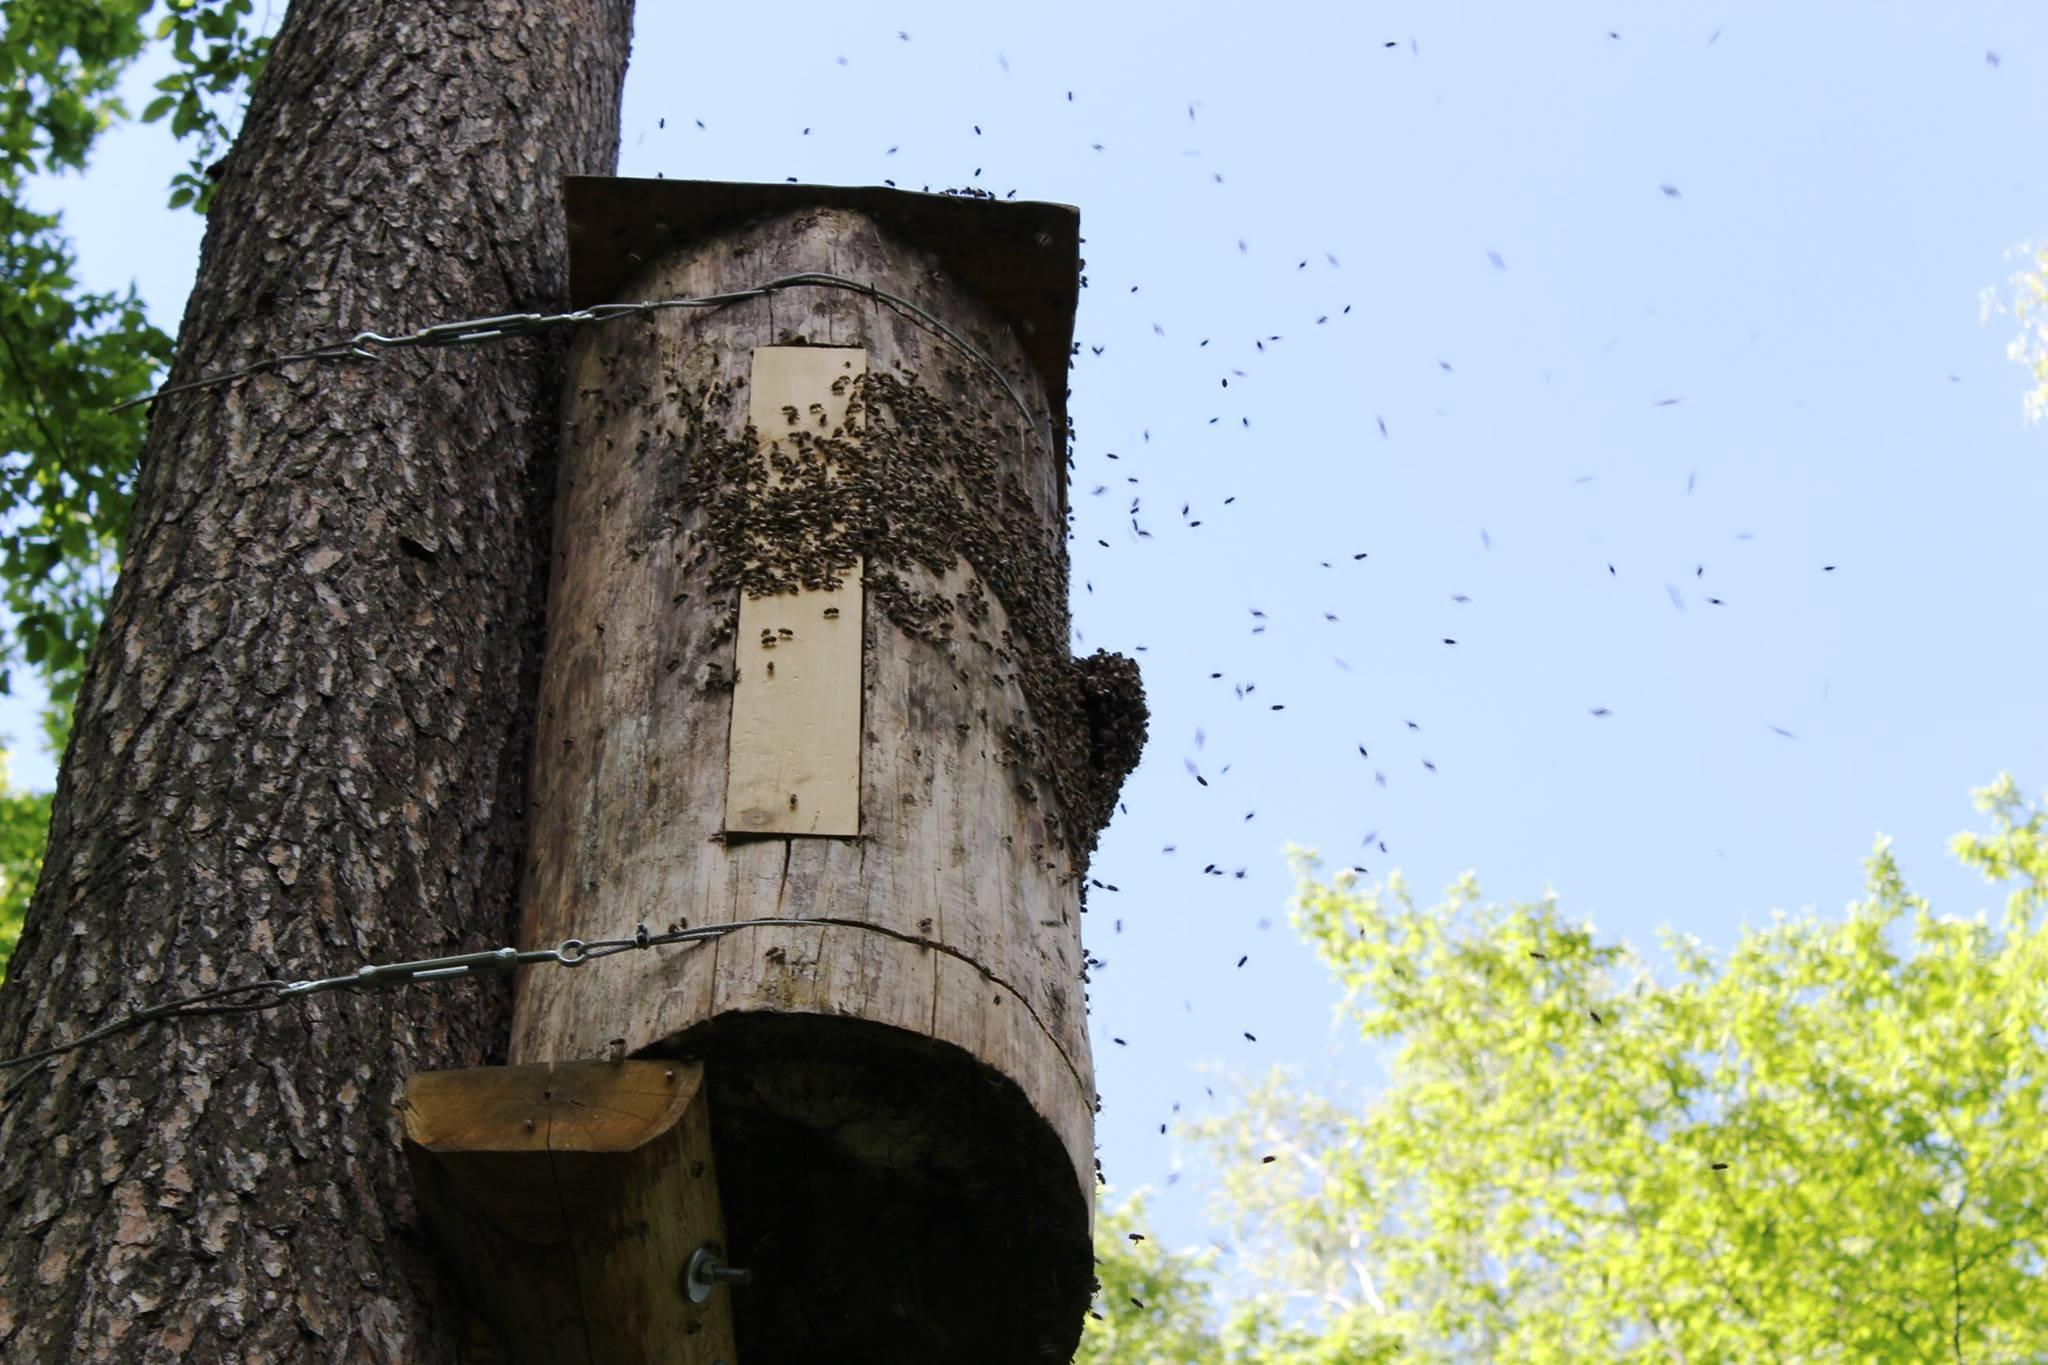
pixel 808 660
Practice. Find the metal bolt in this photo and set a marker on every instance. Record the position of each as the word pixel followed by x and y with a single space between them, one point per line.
pixel 706 1272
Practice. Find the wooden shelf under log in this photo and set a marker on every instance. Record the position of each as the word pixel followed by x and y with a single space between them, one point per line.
pixel 569 1199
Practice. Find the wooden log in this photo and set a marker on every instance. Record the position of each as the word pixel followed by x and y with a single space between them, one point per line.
pixel 902 1091
pixel 570 1198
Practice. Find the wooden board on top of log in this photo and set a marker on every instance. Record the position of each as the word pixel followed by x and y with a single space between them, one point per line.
pixel 793 765
pixel 896 1043
pixel 569 1199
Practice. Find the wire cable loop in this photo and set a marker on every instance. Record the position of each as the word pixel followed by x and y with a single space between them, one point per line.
pixel 369 345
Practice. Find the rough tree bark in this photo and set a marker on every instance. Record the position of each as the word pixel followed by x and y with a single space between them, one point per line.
pixel 302 737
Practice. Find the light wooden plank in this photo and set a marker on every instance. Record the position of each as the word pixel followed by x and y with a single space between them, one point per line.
pixel 569 1198
pixel 793 761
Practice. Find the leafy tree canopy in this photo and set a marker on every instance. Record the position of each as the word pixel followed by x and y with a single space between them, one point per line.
pixel 69 354
pixel 1826 1145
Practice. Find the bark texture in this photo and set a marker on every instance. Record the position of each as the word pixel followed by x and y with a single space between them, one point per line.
pixel 302 737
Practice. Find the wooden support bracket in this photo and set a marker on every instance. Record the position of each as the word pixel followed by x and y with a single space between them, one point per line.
pixel 571 1199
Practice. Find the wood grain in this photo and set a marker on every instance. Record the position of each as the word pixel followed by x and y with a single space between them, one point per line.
pixel 570 1197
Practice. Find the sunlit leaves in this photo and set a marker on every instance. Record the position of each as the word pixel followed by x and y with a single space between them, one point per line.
pixel 2028 308
pixel 66 462
pixel 59 60
pixel 1157 1307
pixel 218 57
pixel 1825 1145
pixel 24 819
pixel 1157 1299
pixel 67 354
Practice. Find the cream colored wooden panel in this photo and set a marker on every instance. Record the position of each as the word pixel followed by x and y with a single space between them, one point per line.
pixel 793 763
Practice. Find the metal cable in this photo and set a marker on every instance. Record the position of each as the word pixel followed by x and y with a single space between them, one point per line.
pixel 572 952
pixel 169 1009
pixel 506 326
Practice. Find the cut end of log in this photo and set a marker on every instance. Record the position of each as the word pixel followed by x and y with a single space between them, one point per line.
pixel 898 1200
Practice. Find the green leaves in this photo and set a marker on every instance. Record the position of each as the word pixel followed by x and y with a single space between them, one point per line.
pixel 219 58
pixel 66 462
pixel 24 824
pixel 2029 311
pixel 1157 1300
pixel 1825 1145
pixel 1157 1308
pixel 59 60
pixel 68 355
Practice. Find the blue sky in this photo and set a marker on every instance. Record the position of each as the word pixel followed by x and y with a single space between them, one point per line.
pixel 1545 222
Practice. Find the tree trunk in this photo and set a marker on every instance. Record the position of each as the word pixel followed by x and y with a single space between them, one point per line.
pixel 302 738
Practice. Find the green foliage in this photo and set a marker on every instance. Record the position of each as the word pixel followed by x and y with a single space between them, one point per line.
pixel 67 354
pixel 24 824
pixel 218 58
pixel 66 474
pixel 1825 1146
pixel 2029 311
pixel 59 60
pixel 1157 1299
pixel 1157 1308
